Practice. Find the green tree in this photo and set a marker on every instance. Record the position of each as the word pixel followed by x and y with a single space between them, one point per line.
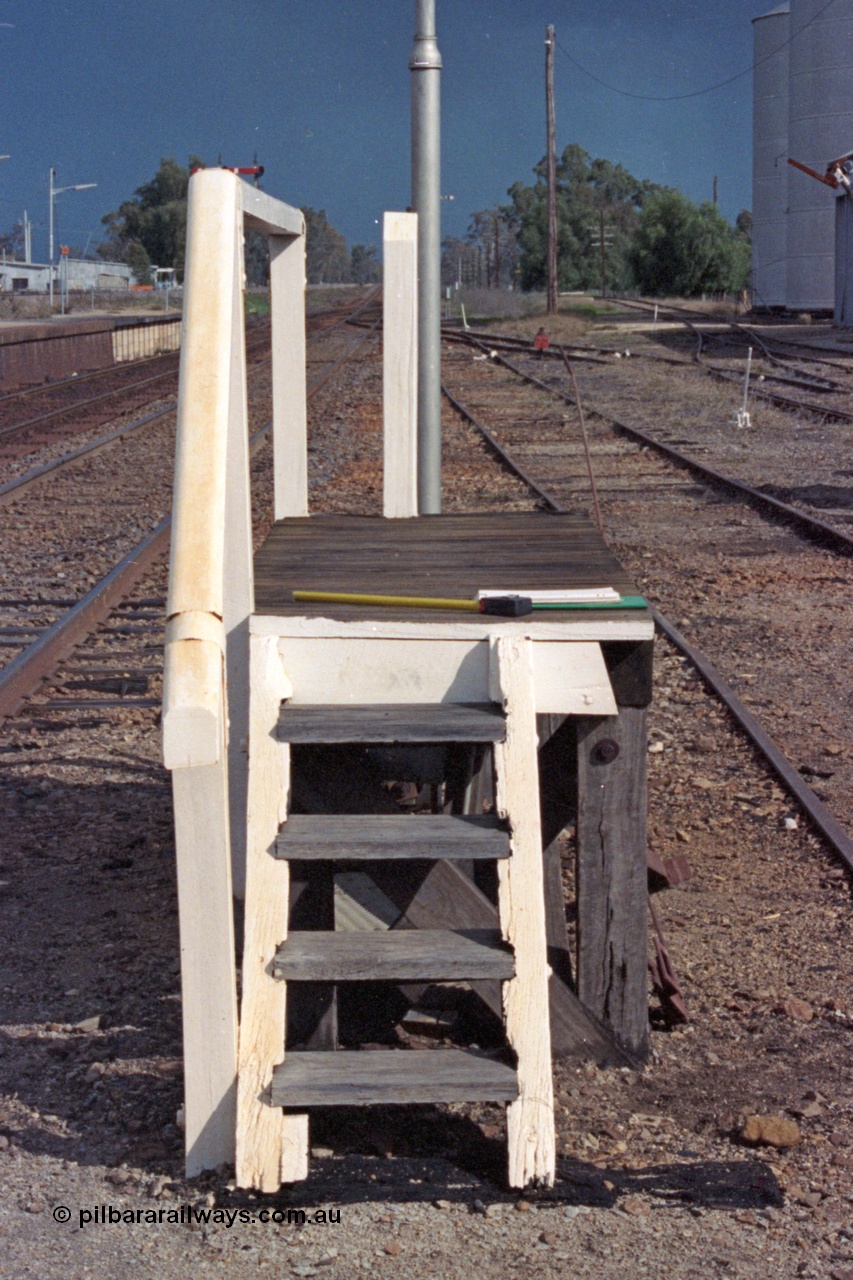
pixel 154 222
pixel 364 269
pixel 589 193
pixel 683 249
pixel 327 257
pixel 12 241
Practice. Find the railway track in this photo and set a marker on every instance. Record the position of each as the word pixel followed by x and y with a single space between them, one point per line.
pixel 535 441
pixel 40 631
pixel 760 936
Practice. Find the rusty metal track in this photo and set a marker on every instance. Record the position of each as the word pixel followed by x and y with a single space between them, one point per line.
pixel 817 530
pixel 788 775
pixel 23 675
pixel 21 482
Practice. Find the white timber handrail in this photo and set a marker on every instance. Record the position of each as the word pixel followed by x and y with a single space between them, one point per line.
pixel 210 602
pixel 211 500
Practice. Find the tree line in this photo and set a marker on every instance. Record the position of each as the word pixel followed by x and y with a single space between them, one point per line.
pixel 614 232
pixel 150 230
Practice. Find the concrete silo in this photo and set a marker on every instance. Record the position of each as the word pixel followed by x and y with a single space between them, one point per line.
pixel 820 127
pixel 770 155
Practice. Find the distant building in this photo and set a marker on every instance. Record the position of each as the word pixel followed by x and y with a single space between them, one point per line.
pixel 34 277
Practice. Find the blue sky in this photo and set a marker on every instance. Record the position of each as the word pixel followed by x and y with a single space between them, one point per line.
pixel 101 89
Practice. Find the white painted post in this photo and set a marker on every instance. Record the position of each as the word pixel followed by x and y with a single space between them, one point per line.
pixel 271 1147
pixel 238 579
pixel 290 414
pixel 400 365
pixel 194 714
pixel 521 904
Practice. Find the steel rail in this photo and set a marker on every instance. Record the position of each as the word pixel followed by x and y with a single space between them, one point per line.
pixel 22 676
pixel 818 530
pixel 21 482
pixel 45 388
pixel 105 395
pixel 751 335
pixel 787 774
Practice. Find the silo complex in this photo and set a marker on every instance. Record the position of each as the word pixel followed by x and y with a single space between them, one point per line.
pixel 803 107
pixel 820 127
pixel 770 158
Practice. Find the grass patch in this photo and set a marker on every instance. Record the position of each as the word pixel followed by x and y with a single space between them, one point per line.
pixel 257 302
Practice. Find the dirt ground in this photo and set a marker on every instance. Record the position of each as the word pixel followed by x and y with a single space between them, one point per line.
pixel 654 1174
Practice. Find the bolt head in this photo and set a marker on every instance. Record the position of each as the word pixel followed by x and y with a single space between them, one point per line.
pixel 605 751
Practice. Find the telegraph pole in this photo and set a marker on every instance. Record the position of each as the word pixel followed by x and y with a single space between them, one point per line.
pixel 552 171
pixel 425 66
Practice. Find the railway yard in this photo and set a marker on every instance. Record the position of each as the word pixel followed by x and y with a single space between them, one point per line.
pixel 730 1152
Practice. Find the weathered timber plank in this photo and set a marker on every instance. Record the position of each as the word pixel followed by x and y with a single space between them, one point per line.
pixel 365 836
pixel 447 722
pixel 557 802
pixel 531 1136
pixel 368 1077
pixel 612 874
pixel 448 555
pixel 438 895
pixel 410 955
pixel 312 1008
pixel 445 898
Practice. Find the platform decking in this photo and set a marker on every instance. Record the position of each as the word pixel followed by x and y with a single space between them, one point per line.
pixel 448 556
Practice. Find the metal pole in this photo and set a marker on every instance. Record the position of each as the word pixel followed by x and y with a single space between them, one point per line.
pixel 425 66
pixel 50 247
pixel 551 122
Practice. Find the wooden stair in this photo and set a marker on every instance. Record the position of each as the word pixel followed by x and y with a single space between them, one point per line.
pixel 371 1077
pixel 398 955
pixel 275 1082
pixel 363 836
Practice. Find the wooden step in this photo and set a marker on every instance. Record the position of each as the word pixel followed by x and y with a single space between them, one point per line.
pixel 392 723
pixel 371 1077
pixel 375 837
pixel 398 955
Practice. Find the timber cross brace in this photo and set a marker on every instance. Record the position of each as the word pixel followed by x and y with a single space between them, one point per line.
pixel 283 720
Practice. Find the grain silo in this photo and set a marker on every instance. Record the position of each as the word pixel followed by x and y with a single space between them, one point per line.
pixel 820 127
pixel 770 154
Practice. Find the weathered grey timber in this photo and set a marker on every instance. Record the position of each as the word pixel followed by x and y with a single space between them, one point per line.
pixel 612 874
pixel 450 555
pixel 367 1077
pixel 411 955
pixel 348 836
pixel 312 1011
pixel 445 898
pixel 442 722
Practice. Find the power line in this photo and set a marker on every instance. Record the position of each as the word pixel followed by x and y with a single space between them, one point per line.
pixel 697 93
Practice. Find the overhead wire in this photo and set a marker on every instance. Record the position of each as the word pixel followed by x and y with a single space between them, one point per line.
pixel 696 93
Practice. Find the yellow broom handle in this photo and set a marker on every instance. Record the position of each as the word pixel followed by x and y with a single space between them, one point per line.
pixel 403 602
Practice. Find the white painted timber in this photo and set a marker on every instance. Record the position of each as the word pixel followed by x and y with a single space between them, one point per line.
pixel 581 627
pixel 204 395
pixel 521 906
pixel 289 393
pixel 208 977
pixel 569 678
pixel 270 216
pixel 238 578
pixel 400 365
pixel 193 704
pixel 271 1147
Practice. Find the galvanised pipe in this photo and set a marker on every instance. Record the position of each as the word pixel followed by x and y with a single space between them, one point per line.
pixel 425 65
